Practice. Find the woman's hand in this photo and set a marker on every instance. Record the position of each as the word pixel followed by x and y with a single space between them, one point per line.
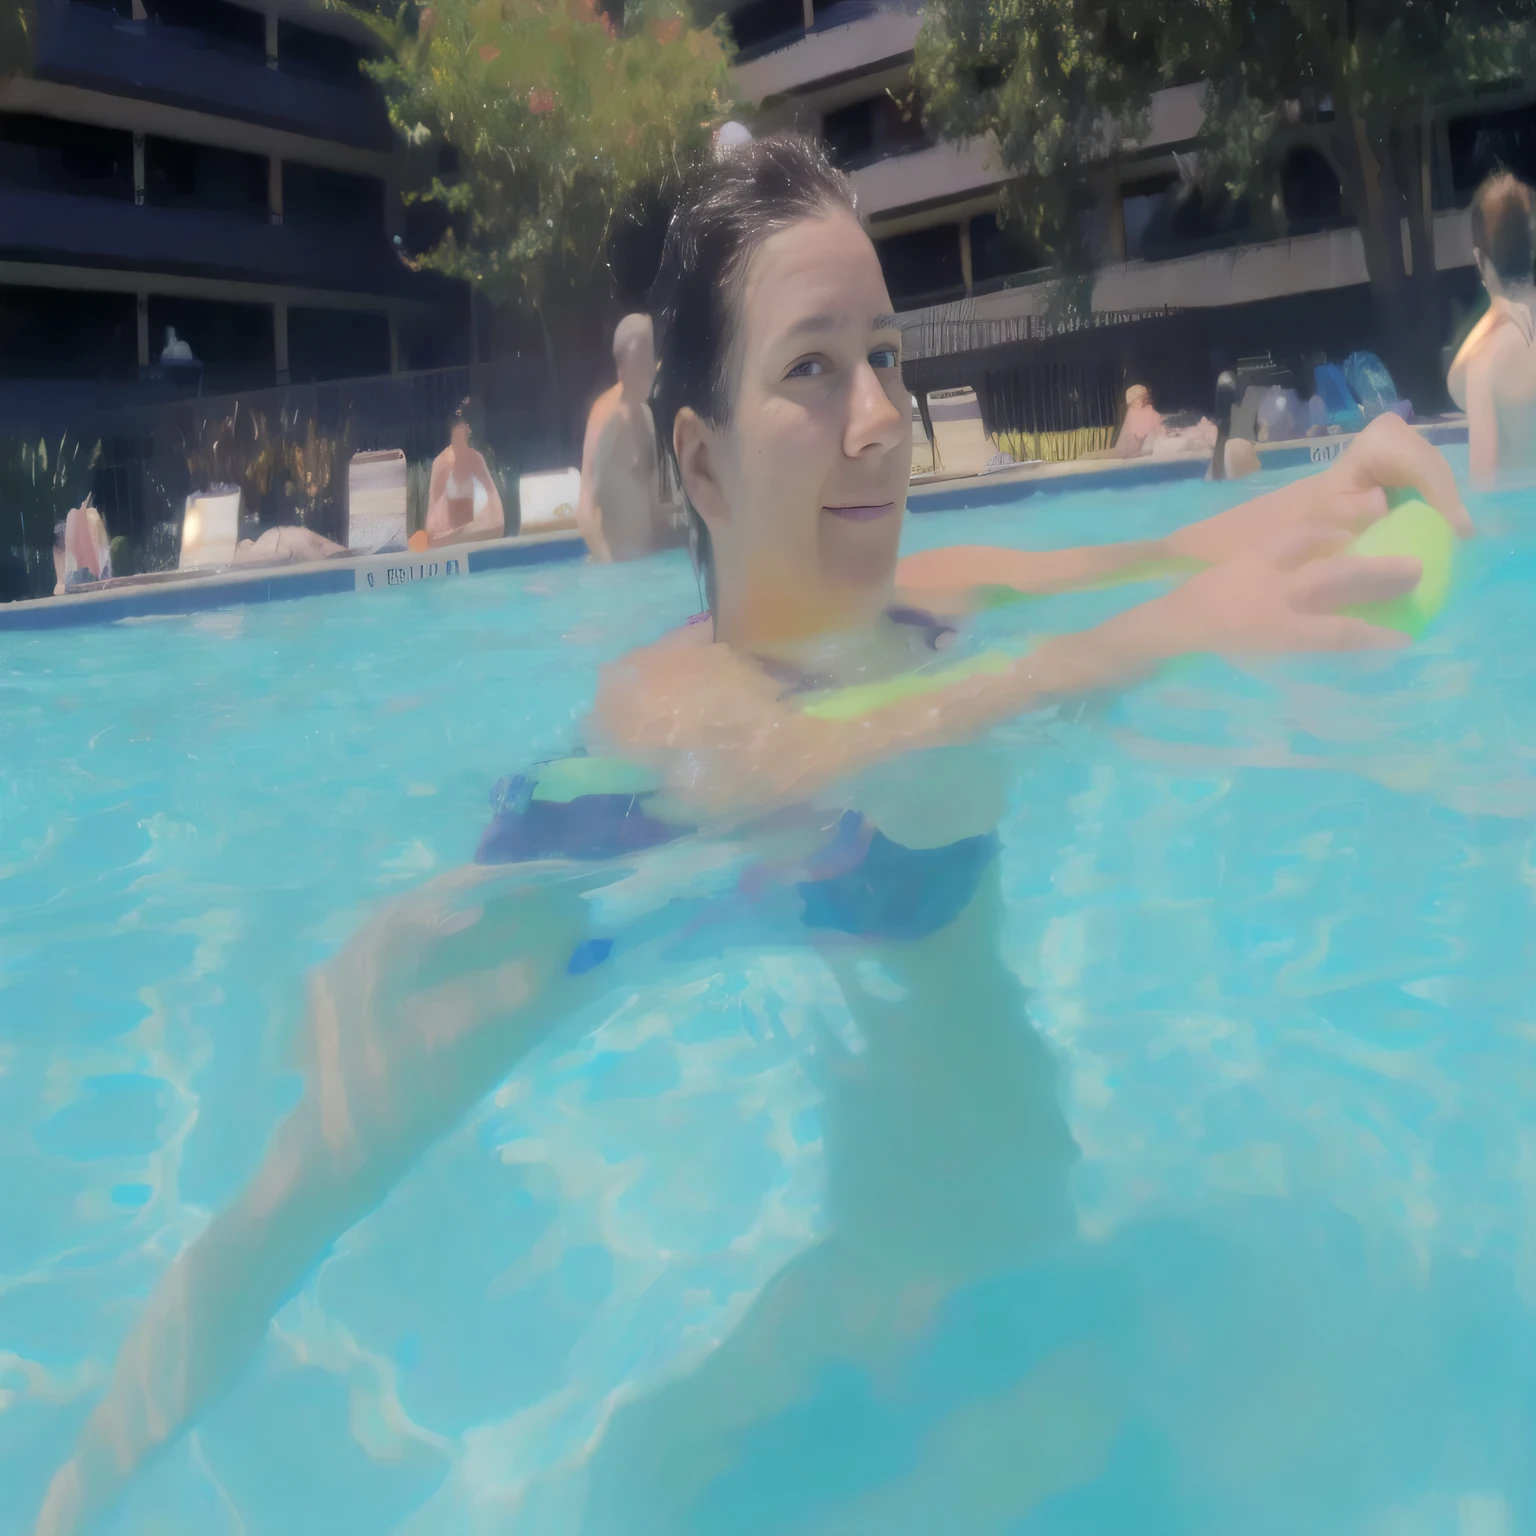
pixel 1345 498
pixel 1284 596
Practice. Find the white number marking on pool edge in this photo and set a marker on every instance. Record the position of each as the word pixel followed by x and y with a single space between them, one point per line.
pixel 390 571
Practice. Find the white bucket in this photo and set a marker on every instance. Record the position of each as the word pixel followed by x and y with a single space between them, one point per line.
pixel 548 502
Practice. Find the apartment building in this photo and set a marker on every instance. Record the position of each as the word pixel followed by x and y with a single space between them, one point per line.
pixel 842 69
pixel 216 167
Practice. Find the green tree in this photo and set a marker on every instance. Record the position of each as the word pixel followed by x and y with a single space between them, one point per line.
pixel 16 18
pixel 561 120
pixel 1062 84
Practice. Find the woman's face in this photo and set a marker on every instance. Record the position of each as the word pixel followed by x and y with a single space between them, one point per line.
pixel 459 437
pixel 803 492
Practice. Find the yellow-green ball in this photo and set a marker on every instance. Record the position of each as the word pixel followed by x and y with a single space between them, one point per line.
pixel 1412 527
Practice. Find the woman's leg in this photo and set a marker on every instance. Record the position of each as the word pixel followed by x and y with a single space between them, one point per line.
pixel 417 1017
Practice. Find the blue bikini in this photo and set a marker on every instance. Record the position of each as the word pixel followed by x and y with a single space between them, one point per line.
pixel 873 888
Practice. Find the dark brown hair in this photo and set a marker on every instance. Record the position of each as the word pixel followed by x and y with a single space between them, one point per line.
pixel 1501 227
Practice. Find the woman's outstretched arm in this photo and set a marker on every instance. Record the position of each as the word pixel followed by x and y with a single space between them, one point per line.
pixel 1348 496
pixel 727 745
pixel 413 1022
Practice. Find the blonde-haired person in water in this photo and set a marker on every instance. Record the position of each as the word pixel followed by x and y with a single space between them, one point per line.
pixel 1493 376
pixel 1143 421
pixel 780 401
pixel 621 512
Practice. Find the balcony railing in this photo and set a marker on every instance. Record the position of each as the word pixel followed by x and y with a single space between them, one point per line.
pixel 86 46
pixel 102 231
pixel 843 13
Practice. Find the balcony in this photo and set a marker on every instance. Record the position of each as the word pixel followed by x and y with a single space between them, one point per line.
pixel 85 46
pixel 1177 116
pixel 96 231
pixel 926 175
pixel 849 36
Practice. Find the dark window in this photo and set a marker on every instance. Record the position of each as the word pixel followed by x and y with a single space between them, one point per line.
pixel 924 264
pixel 231 26
pixel 315 198
pixel 1310 192
pixel 233 342
pixel 765 22
pixel 871 130
pixel 52 333
pixel 1495 141
pixel 182 175
pixel 336 344
pixel 318 55
pixel 1139 201
pixel 838 13
pixel 1130 41
pixel 1188 219
pixel 1000 249
pixel 49 155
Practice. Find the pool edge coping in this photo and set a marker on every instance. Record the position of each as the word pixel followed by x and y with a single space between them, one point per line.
pixel 231 587
pixel 235 587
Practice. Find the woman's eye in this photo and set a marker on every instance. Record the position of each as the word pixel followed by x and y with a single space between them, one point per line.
pixel 806 368
pixel 885 357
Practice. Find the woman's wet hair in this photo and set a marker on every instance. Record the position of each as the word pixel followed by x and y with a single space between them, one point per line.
pixel 1502 227
pixel 728 208
pixel 462 413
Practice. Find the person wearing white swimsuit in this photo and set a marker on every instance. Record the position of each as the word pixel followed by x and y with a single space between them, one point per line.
pixel 463 502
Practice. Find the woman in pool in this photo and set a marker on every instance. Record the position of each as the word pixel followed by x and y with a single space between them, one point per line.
pixel 462 500
pixel 779 398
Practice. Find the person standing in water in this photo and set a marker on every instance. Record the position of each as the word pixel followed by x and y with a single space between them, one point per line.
pixel 463 503
pixel 781 406
pixel 622 513
pixel 1493 377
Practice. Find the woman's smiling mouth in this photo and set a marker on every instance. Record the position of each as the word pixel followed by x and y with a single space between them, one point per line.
pixel 865 513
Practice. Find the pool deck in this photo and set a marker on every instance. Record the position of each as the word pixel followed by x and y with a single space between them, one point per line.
pixel 170 594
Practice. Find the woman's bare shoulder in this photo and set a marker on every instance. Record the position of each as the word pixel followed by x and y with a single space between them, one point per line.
pixel 680 691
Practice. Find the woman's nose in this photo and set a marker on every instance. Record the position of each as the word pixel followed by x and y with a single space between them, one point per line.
pixel 874 421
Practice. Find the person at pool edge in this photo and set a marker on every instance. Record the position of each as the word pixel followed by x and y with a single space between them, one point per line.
pixel 463 503
pixel 1143 421
pixel 1493 376
pixel 621 511
pixel 780 402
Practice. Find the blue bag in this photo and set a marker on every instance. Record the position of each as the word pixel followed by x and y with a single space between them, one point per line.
pixel 1344 413
pixel 1370 383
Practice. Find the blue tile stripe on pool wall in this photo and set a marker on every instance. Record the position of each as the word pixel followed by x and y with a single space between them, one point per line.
pixel 155 602
pixel 175 599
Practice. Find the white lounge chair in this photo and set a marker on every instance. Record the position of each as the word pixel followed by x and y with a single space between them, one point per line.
pixel 960 442
pixel 210 529
pixel 377 500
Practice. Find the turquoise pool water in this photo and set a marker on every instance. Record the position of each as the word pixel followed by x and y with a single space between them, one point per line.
pixel 1277 926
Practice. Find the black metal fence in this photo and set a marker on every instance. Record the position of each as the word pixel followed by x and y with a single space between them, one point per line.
pixel 1054 380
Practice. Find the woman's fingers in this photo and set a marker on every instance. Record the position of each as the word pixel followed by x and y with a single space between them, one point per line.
pixel 1357 510
pixel 1390 453
pixel 1338 632
pixel 1327 585
pixel 1297 546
